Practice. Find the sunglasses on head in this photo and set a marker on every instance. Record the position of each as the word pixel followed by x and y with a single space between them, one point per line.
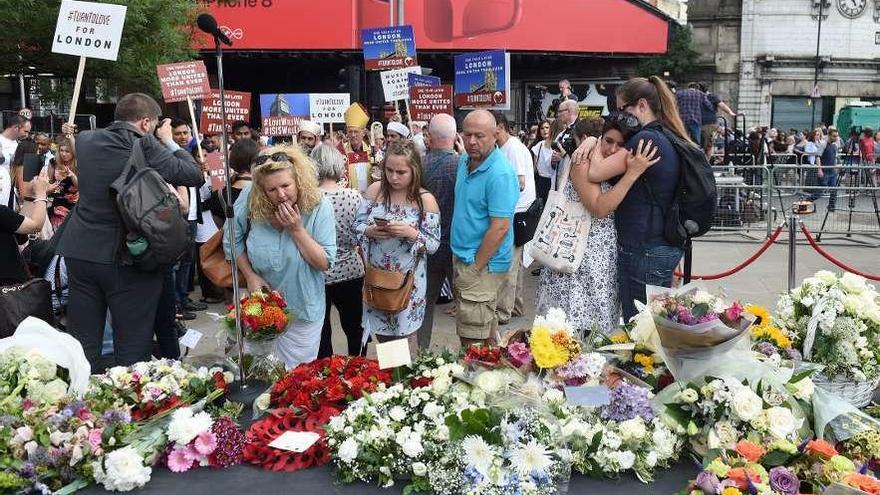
pixel 279 156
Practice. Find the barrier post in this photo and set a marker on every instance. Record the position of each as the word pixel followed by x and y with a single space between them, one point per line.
pixel 767 170
pixel 793 221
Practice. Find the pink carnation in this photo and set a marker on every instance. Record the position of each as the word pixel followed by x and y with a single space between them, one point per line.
pixel 205 443
pixel 519 354
pixel 179 460
pixel 734 312
pixel 95 438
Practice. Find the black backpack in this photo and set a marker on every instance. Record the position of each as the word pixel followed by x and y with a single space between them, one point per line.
pixel 156 233
pixel 696 196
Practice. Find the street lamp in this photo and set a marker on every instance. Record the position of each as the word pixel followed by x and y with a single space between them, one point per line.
pixel 814 95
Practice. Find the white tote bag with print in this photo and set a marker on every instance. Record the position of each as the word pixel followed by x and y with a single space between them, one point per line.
pixel 563 231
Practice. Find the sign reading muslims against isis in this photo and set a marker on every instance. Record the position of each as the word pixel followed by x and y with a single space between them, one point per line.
pixel 395 83
pixel 183 80
pixel 482 80
pixel 427 101
pixel 238 107
pixel 389 47
pixel 328 108
pixel 89 29
pixel 280 125
pixel 420 80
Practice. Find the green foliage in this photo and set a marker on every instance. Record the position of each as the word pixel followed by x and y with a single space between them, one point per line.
pixel 479 422
pixel 155 32
pixel 679 60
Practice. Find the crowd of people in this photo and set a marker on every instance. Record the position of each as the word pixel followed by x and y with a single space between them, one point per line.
pixel 325 218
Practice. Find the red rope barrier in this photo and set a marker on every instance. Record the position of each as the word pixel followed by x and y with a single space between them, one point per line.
pixel 769 242
pixel 834 260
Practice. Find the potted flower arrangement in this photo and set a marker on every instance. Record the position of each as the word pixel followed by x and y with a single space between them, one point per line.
pixel 834 321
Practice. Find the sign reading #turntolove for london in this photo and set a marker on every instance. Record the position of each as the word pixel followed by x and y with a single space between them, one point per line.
pixel 89 29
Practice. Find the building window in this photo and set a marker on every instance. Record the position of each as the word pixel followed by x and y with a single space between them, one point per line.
pixel 797 112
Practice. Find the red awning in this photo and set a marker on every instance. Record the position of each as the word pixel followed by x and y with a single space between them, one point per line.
pixel 579 26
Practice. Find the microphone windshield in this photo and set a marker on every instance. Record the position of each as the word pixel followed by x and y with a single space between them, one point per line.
pixel 207 23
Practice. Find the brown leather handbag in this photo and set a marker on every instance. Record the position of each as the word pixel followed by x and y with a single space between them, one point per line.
pixel 214 263
pixel 387 290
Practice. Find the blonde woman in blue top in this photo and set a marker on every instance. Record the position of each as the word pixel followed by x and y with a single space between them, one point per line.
pixel 398 225
pixel 285 240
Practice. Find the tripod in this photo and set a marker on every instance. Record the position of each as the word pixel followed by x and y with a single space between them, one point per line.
pixel 851 192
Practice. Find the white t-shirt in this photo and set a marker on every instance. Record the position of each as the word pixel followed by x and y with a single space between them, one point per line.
pixel 544 156
pixel 9 146
pixel 5 186
pixel 521 159
pixel 207 228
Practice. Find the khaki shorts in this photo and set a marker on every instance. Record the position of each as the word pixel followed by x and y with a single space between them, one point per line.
pixel 708 131
pixel 476 294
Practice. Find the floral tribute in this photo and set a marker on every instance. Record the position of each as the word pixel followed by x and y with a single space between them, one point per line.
pixel 636 358
pixel 333 381
pixel 274 424
pixel 695 308
pixel 152 387
pixel 845 337
pixel 769 339
pixel 264 315
pixel 195 439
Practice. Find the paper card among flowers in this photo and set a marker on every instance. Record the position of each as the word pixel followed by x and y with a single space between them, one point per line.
pixel 295 441
pixel 393 354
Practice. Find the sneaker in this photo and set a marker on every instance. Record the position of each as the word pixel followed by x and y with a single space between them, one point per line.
pixel 184 315
pixel 191 305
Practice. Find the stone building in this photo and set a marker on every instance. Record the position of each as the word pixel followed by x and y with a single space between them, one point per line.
pixel 771 80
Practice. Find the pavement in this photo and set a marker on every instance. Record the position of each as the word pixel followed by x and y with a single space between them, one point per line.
pixel 759 283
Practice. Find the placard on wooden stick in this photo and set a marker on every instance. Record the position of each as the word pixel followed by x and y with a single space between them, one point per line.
pixel 87 30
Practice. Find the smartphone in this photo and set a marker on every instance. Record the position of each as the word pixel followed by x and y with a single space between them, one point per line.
pixel 380 221
pixel 32 166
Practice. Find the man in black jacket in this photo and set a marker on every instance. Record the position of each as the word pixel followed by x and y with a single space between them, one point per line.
pixel 90 242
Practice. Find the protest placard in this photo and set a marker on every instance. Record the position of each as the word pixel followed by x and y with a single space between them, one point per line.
pixel 389 47
pixel 420 80
pixel 482 80
pixel 395 83
pixel 216 170
pixel 328 108
pixel 238 107
pixel 280 125
pixel 183 80
pixel 427 101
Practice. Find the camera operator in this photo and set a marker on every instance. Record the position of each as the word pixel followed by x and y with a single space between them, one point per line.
pixel 92 240
pixel 564 144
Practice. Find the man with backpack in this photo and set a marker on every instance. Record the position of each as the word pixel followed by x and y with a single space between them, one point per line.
pixel 104 247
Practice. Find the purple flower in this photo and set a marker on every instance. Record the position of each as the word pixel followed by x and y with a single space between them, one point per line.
pixel 794 354
pixel 707 482
pixel 627 402
pixel 784 481
pixel 766 348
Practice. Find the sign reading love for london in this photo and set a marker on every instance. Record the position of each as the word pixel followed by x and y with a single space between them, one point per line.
pixel 182 80
pixel 89 29
pixel 482 80
pixel 389 47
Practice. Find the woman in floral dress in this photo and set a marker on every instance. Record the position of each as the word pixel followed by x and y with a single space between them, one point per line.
pixel 589 295
pixel 398 225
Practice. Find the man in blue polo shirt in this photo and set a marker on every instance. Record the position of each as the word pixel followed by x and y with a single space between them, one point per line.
pixel 486 192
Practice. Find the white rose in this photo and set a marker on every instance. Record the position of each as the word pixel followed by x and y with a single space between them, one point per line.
pixel 726 433
pixel 419 469
pixel 781 422
pixel 746 405
pixel 854 284
pixel 773 398
pixel 632 429
pixel 413 448
pixel 262 402
pixel 688 396
pixel 441 384
pixel 626 459
pixel 397 413
pixel 348 451
pixel 574 427
pixel 651 459
pixel 826 277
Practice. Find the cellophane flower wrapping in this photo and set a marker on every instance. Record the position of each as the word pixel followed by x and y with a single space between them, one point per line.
pixel 264 316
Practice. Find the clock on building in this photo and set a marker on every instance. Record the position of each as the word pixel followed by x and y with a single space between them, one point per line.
pixel 852 8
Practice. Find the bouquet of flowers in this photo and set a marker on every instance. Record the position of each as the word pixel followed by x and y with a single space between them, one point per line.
pixel 50 446
pixel 395 432
pixel 266 430
pixel 483 355
pixel 635 358
pixel 152 387
pixel 834 320
pixel 264 316
pixel 29 376
pixel 195 439
pixel 334 381
pixel 494 452
pixel 716 412
pixel 623 435
pixel 692 317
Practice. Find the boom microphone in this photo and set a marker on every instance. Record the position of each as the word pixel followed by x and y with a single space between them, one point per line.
pixel 208 24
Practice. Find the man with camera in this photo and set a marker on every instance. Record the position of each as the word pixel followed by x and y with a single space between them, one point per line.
pixel 92 241
pixel 563 145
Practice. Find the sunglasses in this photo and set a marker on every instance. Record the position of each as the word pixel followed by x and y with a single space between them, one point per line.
pixel 279 156
pixel 625 119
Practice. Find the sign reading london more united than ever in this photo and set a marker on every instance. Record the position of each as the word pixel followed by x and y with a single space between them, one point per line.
pixel 89 29
pixel 238 107
pixel 427 101
pixel 389 47
pixel 482 80
pixel 183 80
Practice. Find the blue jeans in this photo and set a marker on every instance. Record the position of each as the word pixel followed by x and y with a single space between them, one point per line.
pixel 828 180
pixel 695 132
pixel 637 268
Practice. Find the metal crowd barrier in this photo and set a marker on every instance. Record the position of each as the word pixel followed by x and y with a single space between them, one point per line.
pixel 753 197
